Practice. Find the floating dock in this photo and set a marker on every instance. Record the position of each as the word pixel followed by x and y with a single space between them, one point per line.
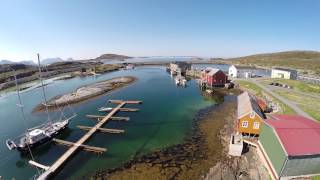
pixel 101 120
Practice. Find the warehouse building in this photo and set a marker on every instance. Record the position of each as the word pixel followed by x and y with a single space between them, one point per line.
pixel 284 73
pixel 291 146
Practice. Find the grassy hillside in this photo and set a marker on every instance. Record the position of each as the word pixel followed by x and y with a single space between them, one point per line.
pixel 305 61
pixel 113 57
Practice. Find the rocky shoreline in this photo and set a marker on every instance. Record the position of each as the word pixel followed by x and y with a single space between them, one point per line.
pixel 191 159
pixel 86 92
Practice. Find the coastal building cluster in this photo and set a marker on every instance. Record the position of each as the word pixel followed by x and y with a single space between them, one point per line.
pixel 214 77
pixel 287 144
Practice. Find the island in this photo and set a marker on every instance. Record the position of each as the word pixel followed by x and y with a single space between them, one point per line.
pixel 112 57
pixel 86 92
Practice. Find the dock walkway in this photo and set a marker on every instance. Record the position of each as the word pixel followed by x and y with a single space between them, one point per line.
pixel 49 170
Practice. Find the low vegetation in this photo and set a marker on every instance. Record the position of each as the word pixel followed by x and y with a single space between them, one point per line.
pixel 309 104
pixel 27 73
pixel 113 57
pixel 307 62
pixel 106 68
pixel 316 178
pixel 296 85
pixel 254 89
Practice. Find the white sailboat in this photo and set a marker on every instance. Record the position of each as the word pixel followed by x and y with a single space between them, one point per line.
pixel 39 135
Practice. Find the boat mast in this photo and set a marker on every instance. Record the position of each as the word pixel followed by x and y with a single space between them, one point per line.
pixel 23 116
pixel 20 102
pixel 43 91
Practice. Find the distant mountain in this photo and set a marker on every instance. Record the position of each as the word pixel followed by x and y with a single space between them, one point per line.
pixel 70 59
pixel 6 62
pixel 51 61
pixel 113 57
pixel 25 62
pixel 28 62
pixel 286 55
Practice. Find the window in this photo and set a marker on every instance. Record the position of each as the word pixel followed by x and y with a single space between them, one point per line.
pixel 245 124
pixel 256 125
pixel 252 114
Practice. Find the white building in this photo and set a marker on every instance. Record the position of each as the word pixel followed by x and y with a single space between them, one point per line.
pixel 284 73
pixel 240 71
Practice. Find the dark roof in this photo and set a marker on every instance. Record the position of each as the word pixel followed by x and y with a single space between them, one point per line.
pixel 298 135
pixel 182 64
pixel 245 67
pixel 285 69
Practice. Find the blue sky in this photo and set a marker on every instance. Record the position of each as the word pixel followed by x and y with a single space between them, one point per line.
pixel 85 29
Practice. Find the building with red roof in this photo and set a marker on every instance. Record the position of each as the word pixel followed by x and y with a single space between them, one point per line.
pixel 213 77
pixel 291 145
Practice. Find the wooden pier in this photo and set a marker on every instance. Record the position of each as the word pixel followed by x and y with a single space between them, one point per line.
pixel 101 120
pixel 98 118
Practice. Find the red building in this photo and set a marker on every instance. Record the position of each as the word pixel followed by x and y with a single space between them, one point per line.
pixel 213 77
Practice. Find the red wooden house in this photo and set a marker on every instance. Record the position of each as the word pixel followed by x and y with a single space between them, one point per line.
pixel 213 77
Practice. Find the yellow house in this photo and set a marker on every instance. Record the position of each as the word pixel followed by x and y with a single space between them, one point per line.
pixel 249 115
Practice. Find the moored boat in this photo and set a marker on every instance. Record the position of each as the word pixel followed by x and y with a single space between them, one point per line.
pixel 104 109
pixel 37 136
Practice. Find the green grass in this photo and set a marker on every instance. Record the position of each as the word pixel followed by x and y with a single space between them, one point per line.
pixel 253 88
pixel 316 178
pixel 310 105
pixel 297 85
pixel 304 61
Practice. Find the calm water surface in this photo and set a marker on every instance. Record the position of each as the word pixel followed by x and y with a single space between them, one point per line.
pixel 165 119
pixel 148 59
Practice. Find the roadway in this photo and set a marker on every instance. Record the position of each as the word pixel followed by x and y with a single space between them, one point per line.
pixel 289 103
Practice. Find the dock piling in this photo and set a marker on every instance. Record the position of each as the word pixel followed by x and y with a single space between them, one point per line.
pixel 101 120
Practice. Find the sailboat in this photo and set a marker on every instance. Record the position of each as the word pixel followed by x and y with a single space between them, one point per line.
pixel 36 136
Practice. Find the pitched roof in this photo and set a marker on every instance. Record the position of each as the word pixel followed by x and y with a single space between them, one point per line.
pixel 298 135
pixel 211 71
pixel 247 104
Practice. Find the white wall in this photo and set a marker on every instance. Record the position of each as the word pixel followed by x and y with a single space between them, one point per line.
pixel 275 73
pixel 233 72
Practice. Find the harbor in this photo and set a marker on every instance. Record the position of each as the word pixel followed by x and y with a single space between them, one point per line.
pixel 50 170
pixel 207 124
pixel 144 131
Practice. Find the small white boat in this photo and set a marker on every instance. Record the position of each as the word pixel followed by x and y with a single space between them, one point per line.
pixel 129 66
pixel 104 109
pixel 183 82
pixel 180 80
pixel 177 81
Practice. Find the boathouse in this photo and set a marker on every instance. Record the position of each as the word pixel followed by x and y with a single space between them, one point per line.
pixel 284 73
pixel 213 77
pixel 249 115
pixel 290 145
pixel 179 68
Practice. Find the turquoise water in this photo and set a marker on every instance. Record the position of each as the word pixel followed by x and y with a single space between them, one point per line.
pixel 165 119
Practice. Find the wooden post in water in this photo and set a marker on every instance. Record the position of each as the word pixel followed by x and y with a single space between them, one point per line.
pixel 49 170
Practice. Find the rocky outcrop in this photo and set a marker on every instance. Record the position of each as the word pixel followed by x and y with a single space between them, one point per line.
pixel 86 92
